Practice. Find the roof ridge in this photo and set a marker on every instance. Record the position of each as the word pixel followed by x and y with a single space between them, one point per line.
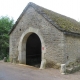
pixel 53 18
pixel 36 7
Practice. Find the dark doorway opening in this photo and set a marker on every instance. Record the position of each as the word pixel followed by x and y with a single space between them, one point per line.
pixel 33 50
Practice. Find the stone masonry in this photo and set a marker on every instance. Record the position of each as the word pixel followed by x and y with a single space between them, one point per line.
pixel 59 48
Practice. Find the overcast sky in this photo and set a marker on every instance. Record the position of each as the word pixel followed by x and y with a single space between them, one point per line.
pixel 13 8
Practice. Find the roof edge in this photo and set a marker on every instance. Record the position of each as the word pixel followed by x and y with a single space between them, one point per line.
pixel 38 9
pixel 19 18
pixel 53 22
pixel 71 33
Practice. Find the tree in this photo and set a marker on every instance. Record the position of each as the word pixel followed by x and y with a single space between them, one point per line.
pixel 5 25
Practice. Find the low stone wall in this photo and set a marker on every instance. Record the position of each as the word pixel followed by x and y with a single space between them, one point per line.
pixel 73 66
pixel 5 59
pixel 72 70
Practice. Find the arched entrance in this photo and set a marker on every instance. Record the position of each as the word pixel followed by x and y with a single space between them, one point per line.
pixel 33 50
pixel 22 48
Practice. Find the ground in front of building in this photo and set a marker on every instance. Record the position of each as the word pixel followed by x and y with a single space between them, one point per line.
pixel 9 71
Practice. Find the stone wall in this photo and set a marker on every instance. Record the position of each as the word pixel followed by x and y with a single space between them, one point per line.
pixel 53 38
pixel 71 49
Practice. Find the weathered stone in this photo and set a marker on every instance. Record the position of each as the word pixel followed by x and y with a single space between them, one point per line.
pixel 14 60
pixel 55 45
pixel 43 64
pixel 63 69
pixel 50 37
pixel 5 59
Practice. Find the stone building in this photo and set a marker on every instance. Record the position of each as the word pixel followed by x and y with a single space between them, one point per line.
pixel 43 36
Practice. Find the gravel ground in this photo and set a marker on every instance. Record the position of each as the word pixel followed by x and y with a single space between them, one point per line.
pixel 9 71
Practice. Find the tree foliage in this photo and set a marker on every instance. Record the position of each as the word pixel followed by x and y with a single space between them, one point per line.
pixel 5 25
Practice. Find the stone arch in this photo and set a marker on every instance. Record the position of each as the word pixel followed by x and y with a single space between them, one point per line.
pixel 22 44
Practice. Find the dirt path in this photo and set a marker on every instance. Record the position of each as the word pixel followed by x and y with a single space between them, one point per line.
pixel 10 71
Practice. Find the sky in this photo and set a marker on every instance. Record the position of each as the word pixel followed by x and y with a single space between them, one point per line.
pixel 13 8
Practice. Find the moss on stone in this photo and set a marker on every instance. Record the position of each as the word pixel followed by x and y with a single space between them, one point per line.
pixel 63 22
